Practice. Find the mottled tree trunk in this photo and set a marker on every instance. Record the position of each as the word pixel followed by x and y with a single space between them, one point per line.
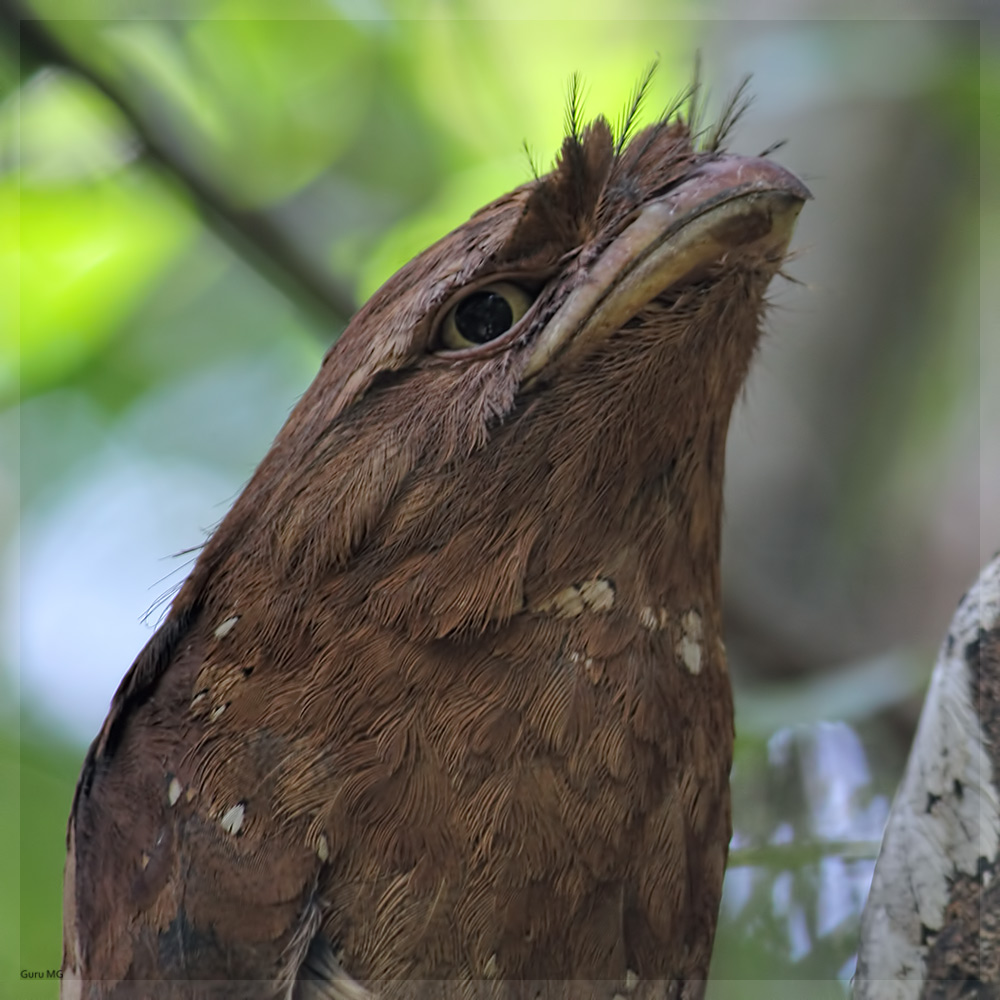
pixel 930 928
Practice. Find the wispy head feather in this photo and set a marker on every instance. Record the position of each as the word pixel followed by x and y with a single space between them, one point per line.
pixel 773 148
pixel 735 107
pixel 630 115
pixel 532 162
pixel 574 107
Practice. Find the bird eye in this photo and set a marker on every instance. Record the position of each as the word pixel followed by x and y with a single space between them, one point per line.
pixel 483 315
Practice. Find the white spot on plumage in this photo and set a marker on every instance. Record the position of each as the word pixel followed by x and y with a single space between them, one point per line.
pixel 174 790
pixel 232 819
pixel 596 595
pixel 226 627
pixel 593 670
pixel 654 619
pixel 566 604
pixel 689 646
pixel 323 848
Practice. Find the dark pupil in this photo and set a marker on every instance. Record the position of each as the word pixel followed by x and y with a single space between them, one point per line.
pixel 483 316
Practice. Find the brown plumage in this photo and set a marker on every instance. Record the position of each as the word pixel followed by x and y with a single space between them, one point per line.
pixel 443 709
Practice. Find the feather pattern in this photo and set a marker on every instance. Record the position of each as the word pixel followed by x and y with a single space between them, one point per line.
pixel 424 713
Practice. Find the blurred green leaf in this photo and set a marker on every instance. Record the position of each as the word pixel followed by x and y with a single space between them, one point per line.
pixel 265 104
pixel 32 849
pixel 87 255
pixel 64 131
pixel 496 83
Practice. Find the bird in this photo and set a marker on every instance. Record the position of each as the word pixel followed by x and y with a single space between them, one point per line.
pixel 443 709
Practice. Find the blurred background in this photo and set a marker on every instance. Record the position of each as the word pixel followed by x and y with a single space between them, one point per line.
pixel 191 209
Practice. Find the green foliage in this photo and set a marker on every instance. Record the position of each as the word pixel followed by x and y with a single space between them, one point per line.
pixel 87 256
pixel 37 777
pixel 86 239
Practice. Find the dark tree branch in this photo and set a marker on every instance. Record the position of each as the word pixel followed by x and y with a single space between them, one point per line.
pixel 254 236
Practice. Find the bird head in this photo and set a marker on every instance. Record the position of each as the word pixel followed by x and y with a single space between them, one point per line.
pixel 541 395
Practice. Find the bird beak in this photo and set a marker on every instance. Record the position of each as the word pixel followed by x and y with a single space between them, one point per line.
pixel 729 203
